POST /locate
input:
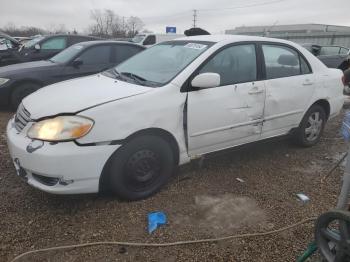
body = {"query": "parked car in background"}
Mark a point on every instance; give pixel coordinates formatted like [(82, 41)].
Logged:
[(125, 130), (23, 39), (331, 56), (152, 39), (8, 49), (45, 47), (86, 58)]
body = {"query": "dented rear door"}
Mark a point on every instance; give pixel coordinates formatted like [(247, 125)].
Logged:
[(290, 85)]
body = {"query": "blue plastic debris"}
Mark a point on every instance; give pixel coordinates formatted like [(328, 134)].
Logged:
[(345, 129), (155, 219)]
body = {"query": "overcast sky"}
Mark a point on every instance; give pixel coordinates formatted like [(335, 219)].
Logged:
[(214, 16)]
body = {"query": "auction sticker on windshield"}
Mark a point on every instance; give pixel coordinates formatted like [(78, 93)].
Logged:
[(196, 46)]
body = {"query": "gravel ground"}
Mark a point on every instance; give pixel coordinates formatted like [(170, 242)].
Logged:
[(200, 203)]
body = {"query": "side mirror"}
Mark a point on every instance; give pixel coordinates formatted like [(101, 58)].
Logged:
[(37, 47), (206, 80), (77, 62)]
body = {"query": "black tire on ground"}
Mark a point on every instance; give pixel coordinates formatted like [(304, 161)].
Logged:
[(311, 127), (140, 168), (332, 235), (20, 92)]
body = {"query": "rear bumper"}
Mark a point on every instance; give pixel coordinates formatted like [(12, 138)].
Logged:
[(76, 169), (336, 105)]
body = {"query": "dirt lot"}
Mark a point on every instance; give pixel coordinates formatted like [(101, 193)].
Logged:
[(200, 203)]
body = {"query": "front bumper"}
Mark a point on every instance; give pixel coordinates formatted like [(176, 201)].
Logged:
[(5, 92), (77, 169)]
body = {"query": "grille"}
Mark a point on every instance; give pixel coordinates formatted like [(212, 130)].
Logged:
[(22, 118), (48, 181)]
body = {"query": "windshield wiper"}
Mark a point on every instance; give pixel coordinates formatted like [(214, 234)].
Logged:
[(116, 74), (140, 80)]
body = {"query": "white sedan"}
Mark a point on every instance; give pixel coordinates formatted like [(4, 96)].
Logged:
[(126, 129)]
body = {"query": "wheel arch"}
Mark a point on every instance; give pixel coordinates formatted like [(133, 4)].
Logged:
[(166, 135), (21, 82), (325, 105)]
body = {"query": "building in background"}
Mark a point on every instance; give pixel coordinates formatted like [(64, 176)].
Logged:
[(300, 33)]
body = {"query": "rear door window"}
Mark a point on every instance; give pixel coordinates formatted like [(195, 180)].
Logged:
[(96, 55), (123, 52), (305, 68), (281, 61), (56, 43), (77, 39)]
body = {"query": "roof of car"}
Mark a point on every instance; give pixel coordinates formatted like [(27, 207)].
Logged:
[(72, 35), (230, 38), (99, 42)]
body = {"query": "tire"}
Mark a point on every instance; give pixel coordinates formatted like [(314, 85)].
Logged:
[(327, 236), (311, 127), (20, 92), (140, 168)]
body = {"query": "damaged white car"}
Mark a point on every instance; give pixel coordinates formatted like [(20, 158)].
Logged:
[(125, 130)]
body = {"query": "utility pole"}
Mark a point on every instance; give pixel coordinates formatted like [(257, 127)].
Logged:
[(194, 18)]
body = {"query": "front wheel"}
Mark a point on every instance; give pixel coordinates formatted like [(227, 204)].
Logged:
[(140, 168), (311, 127)]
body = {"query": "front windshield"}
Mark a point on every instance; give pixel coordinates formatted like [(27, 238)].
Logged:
[(138, 38), (67, 54), (32, 42), (159, 64)]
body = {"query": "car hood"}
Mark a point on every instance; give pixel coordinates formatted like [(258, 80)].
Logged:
[(25, 67), (76, 95)]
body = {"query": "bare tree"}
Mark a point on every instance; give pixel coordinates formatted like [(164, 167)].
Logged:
[(108, 24), (56, 29), (135, 24), (105, 22), (98, 27), (12, 30)]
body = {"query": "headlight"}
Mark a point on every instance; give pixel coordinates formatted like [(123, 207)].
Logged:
[(61, 128), (3, 81)]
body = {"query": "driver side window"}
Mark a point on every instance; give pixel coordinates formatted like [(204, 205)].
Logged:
[(235, 64), (57, 43)]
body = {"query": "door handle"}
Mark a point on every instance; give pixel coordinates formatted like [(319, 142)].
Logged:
[(256, 91), (307, 82)]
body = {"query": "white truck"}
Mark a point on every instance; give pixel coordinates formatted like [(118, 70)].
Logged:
[(152, 39)]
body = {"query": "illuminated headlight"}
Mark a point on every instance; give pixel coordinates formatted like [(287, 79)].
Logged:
[(61, 128), (3, 81)]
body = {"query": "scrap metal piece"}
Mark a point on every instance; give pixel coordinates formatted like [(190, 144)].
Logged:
[(303, 198)]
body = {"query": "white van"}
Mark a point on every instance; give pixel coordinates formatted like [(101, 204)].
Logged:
[(126, 129), (152, 39)]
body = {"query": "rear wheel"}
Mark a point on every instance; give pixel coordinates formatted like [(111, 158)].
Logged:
[(20, 92), (311, 127), (140, 168)]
